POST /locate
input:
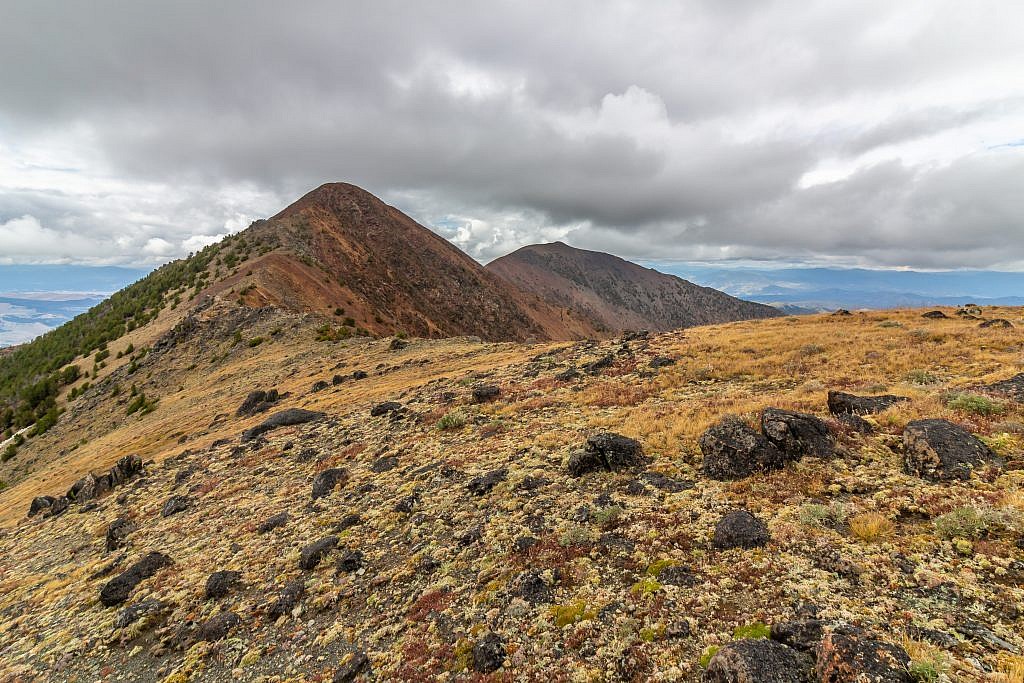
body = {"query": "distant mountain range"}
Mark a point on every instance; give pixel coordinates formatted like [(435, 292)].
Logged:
[(818, 289), (614, 294)]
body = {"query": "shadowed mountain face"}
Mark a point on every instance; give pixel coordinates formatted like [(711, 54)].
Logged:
[(615, 294), (341, 248)]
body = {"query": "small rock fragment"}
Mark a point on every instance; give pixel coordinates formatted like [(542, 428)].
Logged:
[(313, 553), (488, 654), (328, 480), (219, 584), (740, 529)]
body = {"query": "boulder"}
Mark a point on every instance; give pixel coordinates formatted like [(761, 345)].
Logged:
[(797, 434), (59, 506), (938, 450), (841, 312), (840, 403), (287, 599), (608, 451), (219, 584), (740, 529), (273, 522), (488, 654), (353, 666), (174, 505), (532, 588), (755, 661), (483, 484), (397, 344), (849, 654), (351, 561), (568, 374), (84, 489), (40, 503), (935, 315), (117, 590), (485, 393), (732, 450), (117, 532), (1011, 388), (125, 468), (313, 553), (801, 634), (284, 418), (328, 480), (218, 627), (129, 615), (257, 402), (997, 323), (385, 408)]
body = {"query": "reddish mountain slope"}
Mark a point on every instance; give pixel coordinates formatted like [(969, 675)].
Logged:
[(615, 294), (341, 248)]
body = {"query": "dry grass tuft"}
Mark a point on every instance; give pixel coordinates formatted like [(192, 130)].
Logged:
[(872, 527)]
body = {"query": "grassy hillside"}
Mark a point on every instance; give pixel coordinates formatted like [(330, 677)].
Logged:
[(468, 524)]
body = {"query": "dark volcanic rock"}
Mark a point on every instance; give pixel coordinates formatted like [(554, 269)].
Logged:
[(124, 469), (803, 634), (273, 522), (117, 532), (59, 506), (478, 486), (665, 483), (174, 505), (397, 344), (319, 385), (284, 418), (384, 464), (608, 451), (849, 654), (287, 599), (352, 667), (219, 584), (939, 450), (328, 480), (856, 423), (732, 450), (997, 323), (129, 615), (531, 587), (568, 374), (600, 364), (488, 654), (485, 392), (662, 362), (351, 561), (385, 408), (84, 489), (117, 590), (755, 661), (313, 553), (257, 402), (1012, 388), (797, 434), (40, 503), (218, 627), (935, 315), (840, 403), (676, 575), (740, 529)]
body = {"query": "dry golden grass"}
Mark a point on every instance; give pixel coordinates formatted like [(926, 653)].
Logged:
[(1011, 668), (872, 527)]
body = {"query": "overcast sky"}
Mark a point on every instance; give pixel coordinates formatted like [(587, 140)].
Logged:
[(854, 133)]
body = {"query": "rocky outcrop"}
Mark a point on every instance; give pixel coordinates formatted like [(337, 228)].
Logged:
[(732, 450), (840, 403), (117, 590), (850, 654), (797, 434), (284, 418), (755, 661), (606, 451), (938, 450)]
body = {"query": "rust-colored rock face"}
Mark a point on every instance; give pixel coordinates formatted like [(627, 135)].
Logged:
[(617, 295)]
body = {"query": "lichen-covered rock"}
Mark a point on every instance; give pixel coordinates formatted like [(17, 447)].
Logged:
[(313, 553), (174, 505), (284, 418), (849, 654), (840, 402), (485, 393), (40, 503), (488, 654), (84, 489), (129, 615), (117, 590), (117, 532), (801, 634), (755, 661), (287, 599), (797, 434), (483, 484), (218, 627), (352, 667), (273, 522), (608, 451), (740, 529), (732, 450), (530, 586), (938, 450), (385, 408), (326, 481), (219, 584)]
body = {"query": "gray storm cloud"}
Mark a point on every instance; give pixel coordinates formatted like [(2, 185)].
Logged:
[(874, 133)]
